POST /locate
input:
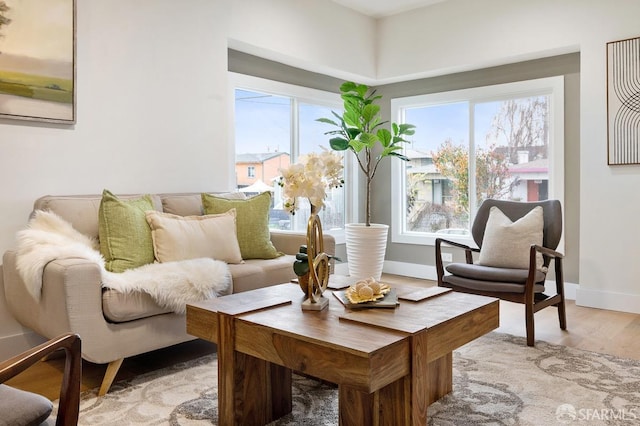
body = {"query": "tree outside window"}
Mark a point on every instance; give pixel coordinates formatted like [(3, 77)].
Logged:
[(471, 149)]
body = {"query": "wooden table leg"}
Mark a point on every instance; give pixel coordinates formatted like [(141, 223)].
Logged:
[(251, 391), (356, 408), (440, 377), (226, 371), (419, 383)]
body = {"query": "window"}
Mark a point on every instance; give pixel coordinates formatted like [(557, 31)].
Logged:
[(503, 141), (275, 123)]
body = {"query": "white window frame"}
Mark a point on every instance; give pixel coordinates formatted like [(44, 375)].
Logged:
[(552, 86), (298, 94)]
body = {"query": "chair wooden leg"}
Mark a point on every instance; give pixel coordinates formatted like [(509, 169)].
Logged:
[(562, 313), (109, 376), (530, 327), (562, 316)]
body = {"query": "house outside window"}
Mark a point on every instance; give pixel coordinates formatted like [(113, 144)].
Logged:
[(251, 172), (503, 141), (275, 123)]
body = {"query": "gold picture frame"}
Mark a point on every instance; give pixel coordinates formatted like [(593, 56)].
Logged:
[(623, 101), (38, 60)]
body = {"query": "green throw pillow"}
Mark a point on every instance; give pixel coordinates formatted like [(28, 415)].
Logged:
[(252, 223), (125, 236)]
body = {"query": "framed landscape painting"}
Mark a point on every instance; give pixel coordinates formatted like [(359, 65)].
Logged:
[(37, 60)]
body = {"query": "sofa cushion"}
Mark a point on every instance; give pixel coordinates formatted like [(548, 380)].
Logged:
[(258, 273), (252, 219), (123, 307), (252, 274), (190, 237), (506, 244), (21, 408), (81, 211), (125, 236), (190, 204)]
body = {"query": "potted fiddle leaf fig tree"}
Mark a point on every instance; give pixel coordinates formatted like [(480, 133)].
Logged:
[(361, 130)]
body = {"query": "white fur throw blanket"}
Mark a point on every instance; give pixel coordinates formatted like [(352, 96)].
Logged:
[(172, 284)]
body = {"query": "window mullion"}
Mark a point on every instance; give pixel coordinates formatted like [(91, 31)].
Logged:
[(473, 201), (295, 130)]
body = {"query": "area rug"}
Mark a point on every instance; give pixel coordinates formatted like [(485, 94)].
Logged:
[(498, 380)]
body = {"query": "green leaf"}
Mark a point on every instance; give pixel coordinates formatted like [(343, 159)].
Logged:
[(384, 136), (339, 144), (353, 132), (352, 118), (338, 116), (406, 128), (368, 139), (362, 89), (327, 121), (400, 156), (356, 145), (348, 86), (394, 127), (369, 112)]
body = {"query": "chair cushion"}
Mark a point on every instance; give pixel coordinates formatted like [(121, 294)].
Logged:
[(20, 408), (488, 273), (492, 286), (190, 237), (506, 244), (125, 236), (252, 219)]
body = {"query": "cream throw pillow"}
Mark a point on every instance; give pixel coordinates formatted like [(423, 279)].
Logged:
[(191, 237), (506, 244)]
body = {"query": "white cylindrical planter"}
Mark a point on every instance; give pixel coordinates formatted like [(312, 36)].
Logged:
[(366, 247)]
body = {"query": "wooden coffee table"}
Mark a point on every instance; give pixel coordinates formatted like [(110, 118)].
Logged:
[(389, 364)]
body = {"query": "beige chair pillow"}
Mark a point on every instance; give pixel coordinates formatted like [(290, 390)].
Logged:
[(506, 244), (191, 237)]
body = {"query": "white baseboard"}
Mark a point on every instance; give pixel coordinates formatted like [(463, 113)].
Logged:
[(608, 300), (18, 343)]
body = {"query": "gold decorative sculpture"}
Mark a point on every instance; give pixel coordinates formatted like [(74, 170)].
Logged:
[(318, 265)]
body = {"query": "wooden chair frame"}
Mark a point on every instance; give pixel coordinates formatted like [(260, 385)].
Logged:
[(533, 301), (69, 405)]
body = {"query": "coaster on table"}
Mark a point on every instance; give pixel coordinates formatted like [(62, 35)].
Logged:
[(339, 282), (419, 294)]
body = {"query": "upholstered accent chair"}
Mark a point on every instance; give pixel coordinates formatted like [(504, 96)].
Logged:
[(18, 407), (495, 273)]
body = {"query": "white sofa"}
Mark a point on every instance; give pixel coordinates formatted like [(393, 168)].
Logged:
[(114, 326)]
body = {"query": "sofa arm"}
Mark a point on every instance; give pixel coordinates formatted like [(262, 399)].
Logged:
[(70, 301), (289, 242)]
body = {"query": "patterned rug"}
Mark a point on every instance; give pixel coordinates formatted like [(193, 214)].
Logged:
[(498, 380)]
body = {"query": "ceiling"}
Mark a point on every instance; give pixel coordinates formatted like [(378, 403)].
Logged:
[(380, 8)]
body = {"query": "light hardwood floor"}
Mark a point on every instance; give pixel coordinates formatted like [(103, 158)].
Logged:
[(597, 330)]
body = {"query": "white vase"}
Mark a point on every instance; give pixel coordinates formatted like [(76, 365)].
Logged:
[(366, 247)]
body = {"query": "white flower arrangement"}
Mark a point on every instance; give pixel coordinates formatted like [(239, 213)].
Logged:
[(311, 177)]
